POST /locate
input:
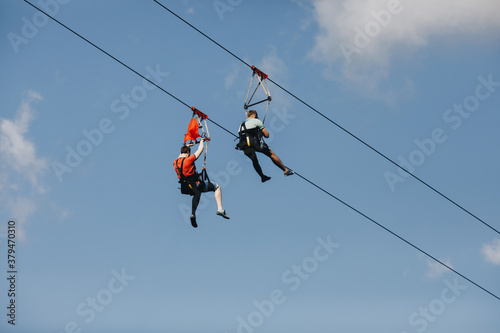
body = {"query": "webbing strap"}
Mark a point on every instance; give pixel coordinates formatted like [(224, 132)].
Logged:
[(268, 93), (248, 93), (179, 170), (204, 175), (249, 132), (206, 136), (183, 177), (262, 83), (190, 182)]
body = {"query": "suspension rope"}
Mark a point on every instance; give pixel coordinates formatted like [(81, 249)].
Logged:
[(338, 125), (299, 175)]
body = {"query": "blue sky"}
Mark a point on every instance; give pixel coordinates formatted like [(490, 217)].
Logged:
[(104, 242)]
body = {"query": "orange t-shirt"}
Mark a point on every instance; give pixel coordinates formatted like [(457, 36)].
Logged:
[(188, 169)]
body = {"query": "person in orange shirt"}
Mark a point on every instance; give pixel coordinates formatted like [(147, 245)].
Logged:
[(192, 184)]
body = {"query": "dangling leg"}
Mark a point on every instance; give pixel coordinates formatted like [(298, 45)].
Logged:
[(194, 205), (276, 160), (218, 200), (250, 152)]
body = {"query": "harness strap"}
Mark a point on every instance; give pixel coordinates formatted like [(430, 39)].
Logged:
[(204, 175), (254, 132), (187, 179), (244, 132), (205, 134), (179, 170), (261, 76)]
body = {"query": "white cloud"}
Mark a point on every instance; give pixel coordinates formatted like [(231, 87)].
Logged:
[(411, 23), (491, 252), (16, 151), (274, 66), (436, 270), (304, 5), (20, 168), (365, 36), (21, 208), (231, 75)]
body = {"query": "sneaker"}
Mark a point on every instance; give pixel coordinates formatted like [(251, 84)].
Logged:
[(265, 179), (289, 172), (193, 221), (223, 214)]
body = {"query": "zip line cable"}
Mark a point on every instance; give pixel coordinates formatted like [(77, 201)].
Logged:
[(122, 63), (396, 235), (336, 124), (299, 175)]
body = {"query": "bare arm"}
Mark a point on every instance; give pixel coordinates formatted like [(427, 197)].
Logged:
[(265, 132), (200, 149)]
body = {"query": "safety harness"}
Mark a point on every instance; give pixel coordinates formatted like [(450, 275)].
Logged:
[(249, 137), (190, 183)]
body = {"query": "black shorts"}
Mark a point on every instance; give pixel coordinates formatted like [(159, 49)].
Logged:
[(262, 148), (207, 186), (202, 186)]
